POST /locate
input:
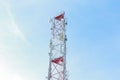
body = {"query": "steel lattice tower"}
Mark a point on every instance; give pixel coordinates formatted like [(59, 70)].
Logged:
[(57, 62)]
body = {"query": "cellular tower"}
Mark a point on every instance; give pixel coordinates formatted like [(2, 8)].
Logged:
[(57, 55)]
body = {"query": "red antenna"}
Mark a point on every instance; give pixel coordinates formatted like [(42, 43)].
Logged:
[(59, 17)]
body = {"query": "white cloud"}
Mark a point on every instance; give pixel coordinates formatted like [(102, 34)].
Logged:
[(9, 30), (12, 25), (6, 73)]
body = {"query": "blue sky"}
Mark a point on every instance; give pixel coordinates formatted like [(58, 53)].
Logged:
[(93, 31)]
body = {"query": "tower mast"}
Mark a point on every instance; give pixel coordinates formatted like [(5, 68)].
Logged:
[(57, 55)]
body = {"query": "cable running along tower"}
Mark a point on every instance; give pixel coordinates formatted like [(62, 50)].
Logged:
[(57, 55)]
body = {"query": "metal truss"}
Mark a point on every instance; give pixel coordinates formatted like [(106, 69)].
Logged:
[(57, 60)]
